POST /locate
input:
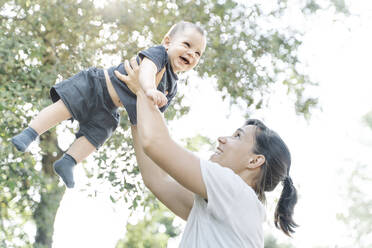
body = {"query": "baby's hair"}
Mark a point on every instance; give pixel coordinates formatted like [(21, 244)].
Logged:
[(181, 26)]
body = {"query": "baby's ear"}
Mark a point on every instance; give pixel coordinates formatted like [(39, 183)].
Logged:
[(166, 41)]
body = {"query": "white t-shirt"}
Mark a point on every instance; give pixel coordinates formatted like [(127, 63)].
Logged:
[(232, 217)]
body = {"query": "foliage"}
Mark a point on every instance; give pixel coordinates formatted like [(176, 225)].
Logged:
[(153, 230), (358, 217), (197, 142), (368, 119), (271, 242)]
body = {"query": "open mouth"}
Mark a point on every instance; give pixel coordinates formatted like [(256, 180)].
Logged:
[(218, 151), (185, 60)]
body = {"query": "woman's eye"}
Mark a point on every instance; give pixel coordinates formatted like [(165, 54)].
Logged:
[(187, 44), (197, 53)]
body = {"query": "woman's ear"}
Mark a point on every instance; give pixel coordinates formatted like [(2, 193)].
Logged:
[(256, 161)]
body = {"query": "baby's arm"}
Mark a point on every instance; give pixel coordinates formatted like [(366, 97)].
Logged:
[(147, 75)]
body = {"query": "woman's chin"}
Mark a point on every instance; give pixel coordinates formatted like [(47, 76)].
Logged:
[(214, 158)]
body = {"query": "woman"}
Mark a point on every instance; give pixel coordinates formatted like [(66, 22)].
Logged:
[(221, 199)]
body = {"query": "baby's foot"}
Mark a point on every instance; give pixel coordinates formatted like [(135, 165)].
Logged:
[(24, 139), (64, 167)]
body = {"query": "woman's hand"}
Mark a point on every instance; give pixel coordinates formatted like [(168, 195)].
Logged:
[(131, 79)]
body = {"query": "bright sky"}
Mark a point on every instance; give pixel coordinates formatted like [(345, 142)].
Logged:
[(338, 56)]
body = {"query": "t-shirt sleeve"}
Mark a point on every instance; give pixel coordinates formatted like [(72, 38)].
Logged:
[(156, 54), (225, 189)]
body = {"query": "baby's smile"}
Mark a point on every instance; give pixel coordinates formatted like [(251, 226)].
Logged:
[(186, 61)]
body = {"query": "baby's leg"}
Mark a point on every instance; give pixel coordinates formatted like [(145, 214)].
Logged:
[(46, 119), (78, 151), (50, 116)]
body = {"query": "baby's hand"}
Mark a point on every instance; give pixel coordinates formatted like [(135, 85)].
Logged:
[(157, 96)]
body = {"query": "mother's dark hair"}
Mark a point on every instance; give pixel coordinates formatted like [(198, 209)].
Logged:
[(275, 169)]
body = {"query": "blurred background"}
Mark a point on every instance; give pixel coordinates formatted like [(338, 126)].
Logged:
[(302, 66)]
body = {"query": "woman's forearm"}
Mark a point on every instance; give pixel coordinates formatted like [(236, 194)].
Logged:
[(151, 125), (179, 163), (178, 199), (151, 173)]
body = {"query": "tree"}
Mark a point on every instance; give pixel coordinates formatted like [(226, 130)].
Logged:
[(41, 41), (44, 41)]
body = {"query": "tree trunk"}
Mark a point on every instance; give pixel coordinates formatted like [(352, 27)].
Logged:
[(50, 195)]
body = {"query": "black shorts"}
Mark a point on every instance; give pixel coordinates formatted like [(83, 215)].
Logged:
[(87, 98)]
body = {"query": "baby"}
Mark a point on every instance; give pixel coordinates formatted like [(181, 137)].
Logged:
[(93, 96)]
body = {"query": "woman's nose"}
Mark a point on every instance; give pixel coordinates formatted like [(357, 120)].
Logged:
[(222, 140)]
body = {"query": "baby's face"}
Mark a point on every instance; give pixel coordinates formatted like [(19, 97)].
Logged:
[(185, 49)]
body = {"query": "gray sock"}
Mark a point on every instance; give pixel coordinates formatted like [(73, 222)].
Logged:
[(24, 139), (64, 167)]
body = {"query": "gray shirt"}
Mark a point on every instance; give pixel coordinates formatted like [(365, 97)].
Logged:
[(232, 216), (167, 85)]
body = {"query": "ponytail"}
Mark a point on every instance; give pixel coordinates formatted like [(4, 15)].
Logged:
[(285, 207), (274, 170)]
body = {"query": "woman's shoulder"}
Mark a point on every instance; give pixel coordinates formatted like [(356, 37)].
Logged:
[(225, 173), (229, 176), (224, 179), (231, 189)]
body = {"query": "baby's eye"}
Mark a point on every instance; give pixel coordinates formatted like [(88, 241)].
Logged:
[(187, 44), (197, 53), (237, 135)]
